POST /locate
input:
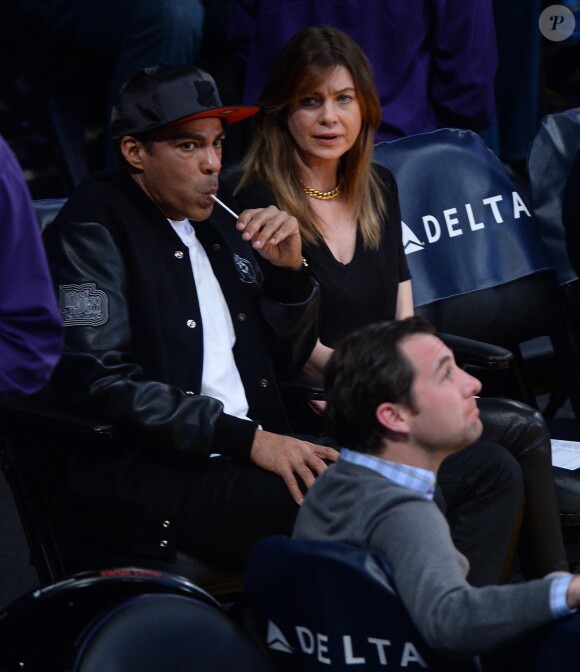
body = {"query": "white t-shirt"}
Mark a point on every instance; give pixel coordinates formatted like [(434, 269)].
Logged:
[(220, 378)]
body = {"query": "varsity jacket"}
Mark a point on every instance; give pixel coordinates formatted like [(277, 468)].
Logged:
[(134, 352)]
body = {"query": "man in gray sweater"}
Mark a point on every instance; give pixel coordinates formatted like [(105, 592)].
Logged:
[(400, 405)]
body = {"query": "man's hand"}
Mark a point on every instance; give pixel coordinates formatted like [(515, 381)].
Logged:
[(274, 234), (573, 594), (290, 457)]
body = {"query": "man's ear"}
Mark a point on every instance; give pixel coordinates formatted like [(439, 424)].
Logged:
[(393, 417), (132, 151)]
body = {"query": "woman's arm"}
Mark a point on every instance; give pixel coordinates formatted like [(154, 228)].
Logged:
[(314, 367), (404, 300)]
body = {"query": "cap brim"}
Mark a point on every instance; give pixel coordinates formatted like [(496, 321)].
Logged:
[(230, 115)]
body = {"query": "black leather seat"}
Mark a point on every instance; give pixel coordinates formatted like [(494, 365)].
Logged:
[(127, 619), (156, 633)]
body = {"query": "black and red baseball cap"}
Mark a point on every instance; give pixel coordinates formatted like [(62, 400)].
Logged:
[(164, 95)]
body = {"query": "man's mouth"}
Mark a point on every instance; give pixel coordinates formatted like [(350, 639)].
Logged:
[(209, 192), (474, 411)]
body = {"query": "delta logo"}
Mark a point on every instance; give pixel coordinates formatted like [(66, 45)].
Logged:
[(345, 649), (469, 218)]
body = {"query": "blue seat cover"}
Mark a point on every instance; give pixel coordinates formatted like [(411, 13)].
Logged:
[(460, 211)]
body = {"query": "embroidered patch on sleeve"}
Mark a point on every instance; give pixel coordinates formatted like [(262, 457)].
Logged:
[(246, 271), (83, 305)]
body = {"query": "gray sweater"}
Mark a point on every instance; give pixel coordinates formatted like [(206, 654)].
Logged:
[(355, 505)]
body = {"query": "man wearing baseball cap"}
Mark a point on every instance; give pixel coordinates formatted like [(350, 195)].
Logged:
[(179, 318)]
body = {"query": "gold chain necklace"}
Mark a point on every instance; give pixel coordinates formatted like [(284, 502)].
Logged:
[(322, 195)]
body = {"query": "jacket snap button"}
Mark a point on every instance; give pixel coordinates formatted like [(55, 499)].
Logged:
[(191, 324), (163, 543), (216, 247), (242, 317), (178, 254), (264, 382)]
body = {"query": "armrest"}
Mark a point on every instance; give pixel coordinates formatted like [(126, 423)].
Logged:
[(477, 353), (45, 409), (466, 351), (301, 389)]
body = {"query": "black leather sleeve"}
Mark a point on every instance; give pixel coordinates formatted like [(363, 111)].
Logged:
[(98, 375), (293, 326)]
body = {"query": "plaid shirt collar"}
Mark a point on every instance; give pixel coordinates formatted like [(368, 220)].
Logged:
[(419, 480)]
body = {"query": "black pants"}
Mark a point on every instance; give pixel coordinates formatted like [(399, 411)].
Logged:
[(553, 648), (500, 501), (229, 506), (483, 500), (522, 430)]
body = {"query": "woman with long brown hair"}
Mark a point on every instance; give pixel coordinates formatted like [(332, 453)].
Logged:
[(311, 154)]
